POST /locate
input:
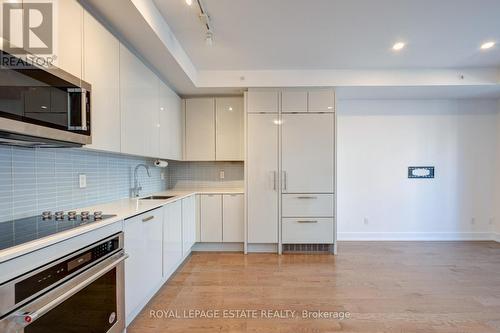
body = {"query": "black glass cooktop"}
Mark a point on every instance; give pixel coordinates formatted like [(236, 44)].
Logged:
[(24, 230)]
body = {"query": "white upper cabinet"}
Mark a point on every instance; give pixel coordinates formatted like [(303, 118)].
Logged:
[(170, 123), (307, 153), (263, 101), (70, 36), (229, 129), (321, 100), (200, 129), (139, 103), (102, 70), (294, 100)]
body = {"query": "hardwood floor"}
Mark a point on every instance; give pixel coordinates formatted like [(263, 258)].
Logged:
[(424, 287)]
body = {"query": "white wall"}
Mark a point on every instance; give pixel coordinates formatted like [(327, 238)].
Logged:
[(379, 139), (497, 197)]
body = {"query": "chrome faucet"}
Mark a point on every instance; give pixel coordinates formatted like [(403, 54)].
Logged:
[(137, 187)]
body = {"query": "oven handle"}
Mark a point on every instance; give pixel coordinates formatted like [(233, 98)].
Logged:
[(25, 319)]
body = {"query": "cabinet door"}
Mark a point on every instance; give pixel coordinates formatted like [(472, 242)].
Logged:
[(170, 123), (263, 101), (229, 129), (262, 178), (321, 100), (188, 224), (101, 70), (308, 153), (211, 218), (294, 100), (172, 237), (143, 269), (200, 129), (70, 36), (232, 218), (139, 106)]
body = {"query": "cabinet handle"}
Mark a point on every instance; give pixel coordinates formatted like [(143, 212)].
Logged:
[(285, 181), (307, 197), (274, 181), (307, 221), (146, 219)]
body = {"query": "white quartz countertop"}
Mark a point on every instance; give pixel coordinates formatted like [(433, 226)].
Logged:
[(123, 209)]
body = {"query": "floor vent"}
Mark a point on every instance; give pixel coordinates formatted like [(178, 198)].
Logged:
[(307, 248)]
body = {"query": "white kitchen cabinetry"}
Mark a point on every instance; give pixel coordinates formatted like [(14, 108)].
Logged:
[(172, 237), (308, 153), (69, 50), (139, 103), (263, 101), (303, 205), (143, 268), (262, 178), (321, 100), (294, 100), (233, 218), (101, 70), (200, 129), (211, 218), (229, 129), (188, 224), (170, 109), (311, 230)]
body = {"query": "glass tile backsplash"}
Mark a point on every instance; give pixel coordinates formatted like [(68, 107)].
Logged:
[(34, 180)]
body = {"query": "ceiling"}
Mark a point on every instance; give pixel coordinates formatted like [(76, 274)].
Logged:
[(337, 34)]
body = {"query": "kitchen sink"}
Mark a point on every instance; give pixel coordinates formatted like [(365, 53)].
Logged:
[(158, 197)]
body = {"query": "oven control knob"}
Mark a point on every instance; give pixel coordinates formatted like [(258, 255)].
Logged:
[(97, 215), (47, 214), (71, 215), (85, 215)]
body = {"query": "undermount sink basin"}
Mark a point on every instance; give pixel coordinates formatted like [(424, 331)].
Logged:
[(157, 197)]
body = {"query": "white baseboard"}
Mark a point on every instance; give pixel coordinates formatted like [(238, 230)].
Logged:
[(416, 236), (496, 237), (217, 247)]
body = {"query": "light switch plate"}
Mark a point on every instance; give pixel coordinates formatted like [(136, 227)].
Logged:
[(83, 180), (221, 174)]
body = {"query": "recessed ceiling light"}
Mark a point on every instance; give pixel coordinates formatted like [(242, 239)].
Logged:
[(398, 46), (189, 2), (487, 45)]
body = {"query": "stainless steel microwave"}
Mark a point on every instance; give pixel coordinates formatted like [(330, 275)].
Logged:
[(42, 106)]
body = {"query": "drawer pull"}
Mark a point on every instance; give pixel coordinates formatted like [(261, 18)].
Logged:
[(146, 219), (307, 197), (308, 221)]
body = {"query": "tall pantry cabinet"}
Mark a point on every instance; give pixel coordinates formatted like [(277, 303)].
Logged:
[(290, 168)]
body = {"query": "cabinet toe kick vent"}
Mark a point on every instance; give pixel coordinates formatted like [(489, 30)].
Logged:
[(307, 248)]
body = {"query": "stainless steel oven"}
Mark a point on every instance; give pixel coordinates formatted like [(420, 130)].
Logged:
[(42, 106), (81, 292)]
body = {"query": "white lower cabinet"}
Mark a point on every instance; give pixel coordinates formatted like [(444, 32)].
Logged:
[(312, 230), (222, 218), (233, 218), (211, 218), (143, 269), (172, 237), (188, 224)]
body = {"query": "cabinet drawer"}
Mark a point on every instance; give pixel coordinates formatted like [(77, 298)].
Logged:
[(307, 230), (303, 205)]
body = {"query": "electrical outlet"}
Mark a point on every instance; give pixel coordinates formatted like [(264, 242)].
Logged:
[(83, 180), (221, 174), (162, 176), (365, 220), (491, 221), (473, 220)]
